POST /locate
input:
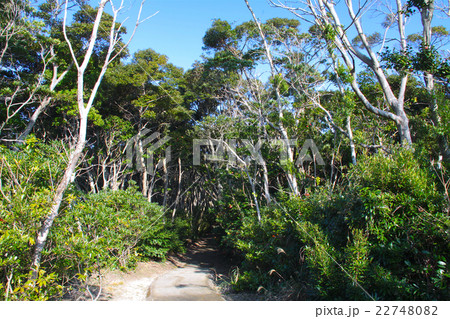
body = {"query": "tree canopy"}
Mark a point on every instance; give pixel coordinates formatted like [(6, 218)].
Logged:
[(315, 152)]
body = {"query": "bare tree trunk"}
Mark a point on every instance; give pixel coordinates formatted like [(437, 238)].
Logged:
[(83, 110), (263, 162), (325, 16), (57, 198), (427, 13), (143, 167), (91, 182), (166, 181), (250, 179), (266, 183), (255, 198), (404, 130), (116, 172), (350, 137), (292, 179), (46, 101), (41, 108), (177, 198), (150, 189), (105, 174)]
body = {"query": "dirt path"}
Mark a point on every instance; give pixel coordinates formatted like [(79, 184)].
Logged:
[(197, 275), (132, 286), (191, 276), (190, 283)]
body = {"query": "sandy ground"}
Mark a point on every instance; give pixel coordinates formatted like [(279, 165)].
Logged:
[(134, 285), (189, 283), (201, 273)]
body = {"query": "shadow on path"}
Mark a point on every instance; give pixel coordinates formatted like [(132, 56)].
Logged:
[(200, 272), (195, 278)]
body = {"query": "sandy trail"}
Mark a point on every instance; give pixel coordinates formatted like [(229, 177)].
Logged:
[(190, 283), (133, 286), (188, 277)]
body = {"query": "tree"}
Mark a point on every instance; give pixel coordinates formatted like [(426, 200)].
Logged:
[(148, 93), (84, 106), (430, 63), (237, 52), (59, 70), (25, 56), (345, 54)]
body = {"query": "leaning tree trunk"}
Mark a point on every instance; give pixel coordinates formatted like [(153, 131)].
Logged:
[(58, 197), (41, 108), (83, 110), (292, 179), (46, 101)]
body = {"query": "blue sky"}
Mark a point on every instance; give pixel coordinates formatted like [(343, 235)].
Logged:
[(177, 30), (178, 26)]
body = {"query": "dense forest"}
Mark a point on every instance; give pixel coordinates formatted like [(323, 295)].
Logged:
[(315, 151)]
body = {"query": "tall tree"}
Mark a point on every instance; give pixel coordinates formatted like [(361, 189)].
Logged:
[(148, 93), (25, 56), (347, 56), (84, 104), (429, 63)]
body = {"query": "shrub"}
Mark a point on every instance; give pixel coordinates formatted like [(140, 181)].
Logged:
[(93, 231), (27, 176), (111, 229), (383, 237), (404, 215)]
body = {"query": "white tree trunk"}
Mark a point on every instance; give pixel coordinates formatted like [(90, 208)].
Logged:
[(350, 137), (83, 110), (177, 198), (292, 179), (58, 197), (427, 13), (41, 108)]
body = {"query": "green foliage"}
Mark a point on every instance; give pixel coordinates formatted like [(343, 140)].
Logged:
[(110, 229), (27, 177), (426, 59), (384, 237), (96, 231), (403, 213), (344, 74), (268, 250), (378, 229), (399, 61), (219, 35), (228, 62), (166, 237), (328, 32)]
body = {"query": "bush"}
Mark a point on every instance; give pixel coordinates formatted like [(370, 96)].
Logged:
[(26, 178), (268, 250), (383, 237), (403, 213), (111, 229)]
